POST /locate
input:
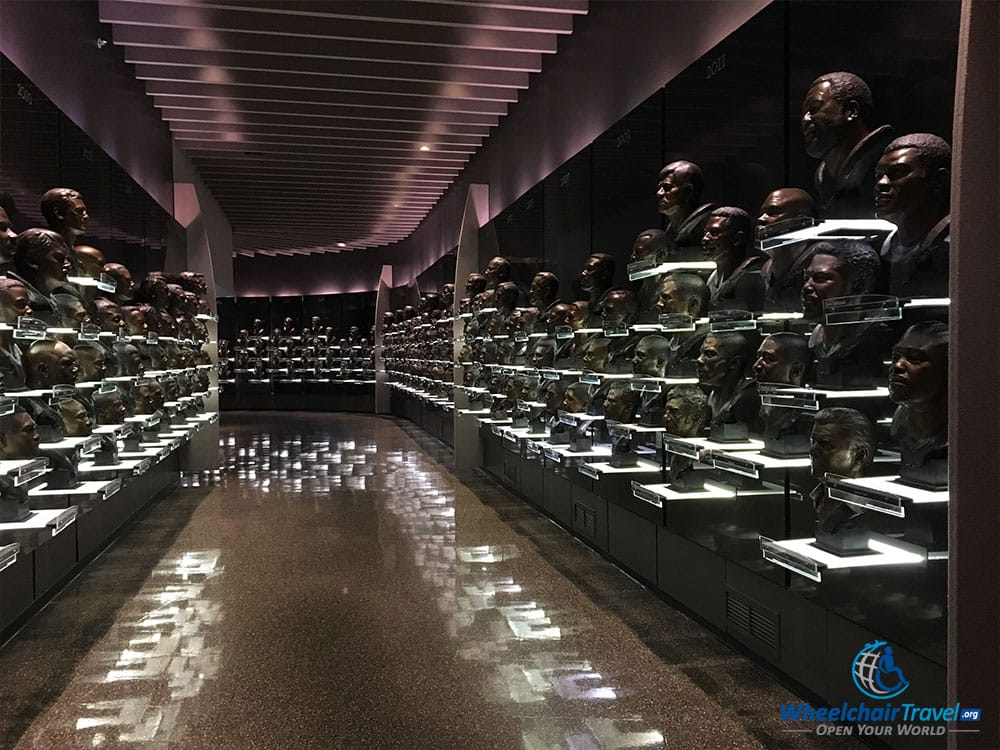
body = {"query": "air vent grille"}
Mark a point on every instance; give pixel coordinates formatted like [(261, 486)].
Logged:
[(751, 618)]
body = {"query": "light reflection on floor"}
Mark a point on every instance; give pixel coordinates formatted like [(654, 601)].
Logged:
[(567, 674)]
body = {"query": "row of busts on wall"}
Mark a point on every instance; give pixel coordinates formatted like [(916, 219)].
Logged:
[(290, 352), (417, 344), (77, 336)]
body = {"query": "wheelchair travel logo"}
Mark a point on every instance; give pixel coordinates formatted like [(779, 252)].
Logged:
[(875, 672)]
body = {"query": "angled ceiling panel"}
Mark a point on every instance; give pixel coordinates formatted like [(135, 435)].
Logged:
[(346, 119)]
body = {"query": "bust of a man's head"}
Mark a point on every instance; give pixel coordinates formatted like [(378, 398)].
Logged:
[(836, 112), (598, 272), (683, 293), (19, 437), (91, 358), (72, 313), (65, 212), (192, 282), (125, 286), (651, 356), (727, 236), (555, 391), (725, 357), (153, 290), (918, 374), (497, 270), (129, 359), (135, 320), (838, 269), (686, 412), (782, 358), (48, 362), (576, 399), (563, 314), (842, 442), (506, 295), (447, 297), (784, 204), (90, 261), (679, 190), (544, 289), (109, 315), (913, 182), (7, 236), (13, 301), (149, 397), (619, 308), (110, 408), (544, 353), (474, 284), (76, 420), (594, 354), (650, 244), (620, 403), (41, 257)]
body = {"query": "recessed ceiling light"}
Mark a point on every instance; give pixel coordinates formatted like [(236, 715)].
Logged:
[(425, 148), (341, 244)]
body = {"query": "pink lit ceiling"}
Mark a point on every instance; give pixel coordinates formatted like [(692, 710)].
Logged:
[(333, 125)]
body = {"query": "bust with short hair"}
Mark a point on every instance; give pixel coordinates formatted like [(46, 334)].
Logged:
[(843, 444), (7, 237), (544, 290), (66, 214), (913, 191), (595, 279), (19, 437), (684, 294), (651, 245), (651, 356), (40, 264), (76, 420), (918, 384), (847, 356), (723, 363), (110, 408), (782, 271), (837, 128), (736, 283), (679, 199), (784, 359)]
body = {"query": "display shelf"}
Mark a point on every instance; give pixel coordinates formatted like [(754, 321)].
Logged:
[(814, 399), (55, 519), (697, 447), (803, 557), (658, 494), (22, 471), (85, 489), (884, 494), (598, 469), (8, 554), (645, 269), (82, 445)]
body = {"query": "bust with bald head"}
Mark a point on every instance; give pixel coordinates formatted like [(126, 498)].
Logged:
[(125, 285), (49, 362)]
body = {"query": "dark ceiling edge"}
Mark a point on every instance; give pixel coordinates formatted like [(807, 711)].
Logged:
[(92, 86), (551, 122)]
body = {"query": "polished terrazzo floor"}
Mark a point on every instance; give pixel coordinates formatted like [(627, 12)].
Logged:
[(335, 587)]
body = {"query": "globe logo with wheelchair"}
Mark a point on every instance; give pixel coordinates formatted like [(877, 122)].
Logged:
[(875, 672)]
